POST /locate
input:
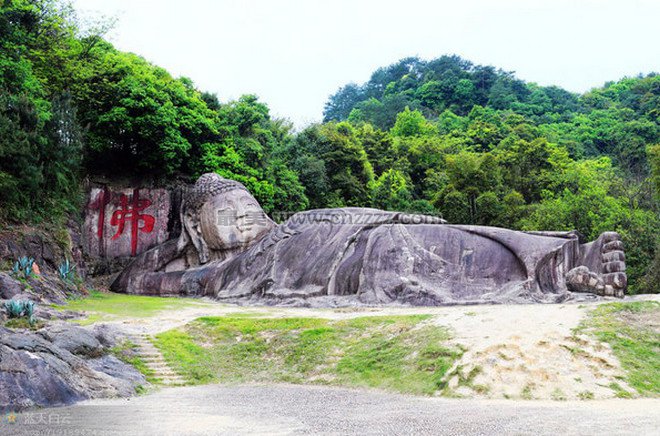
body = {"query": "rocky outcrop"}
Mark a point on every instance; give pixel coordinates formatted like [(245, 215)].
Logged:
[(59, 365), (49, 250), (47, 288), (73, 339)]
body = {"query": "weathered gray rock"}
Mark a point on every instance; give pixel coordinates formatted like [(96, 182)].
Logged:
[(45, 312), (74, 339), (108, 335), (126, 377), (108, 220), (9, 287), (231, 250), (35, 372), (45, 288)]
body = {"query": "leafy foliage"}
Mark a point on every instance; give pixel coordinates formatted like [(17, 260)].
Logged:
[(71, 103), (483, 147)]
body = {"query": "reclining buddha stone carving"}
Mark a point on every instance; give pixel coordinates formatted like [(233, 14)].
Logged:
[(231, 251)]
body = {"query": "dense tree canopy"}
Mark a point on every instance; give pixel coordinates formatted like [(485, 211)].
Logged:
[(444, 136)]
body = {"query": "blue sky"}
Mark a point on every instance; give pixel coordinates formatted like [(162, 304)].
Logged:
[(295, 53)]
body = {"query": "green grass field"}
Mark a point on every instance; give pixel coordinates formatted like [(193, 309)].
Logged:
[(399, 353), (105, 306), (631, 329)]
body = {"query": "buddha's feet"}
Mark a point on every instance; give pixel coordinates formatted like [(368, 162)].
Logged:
[(611, 281)]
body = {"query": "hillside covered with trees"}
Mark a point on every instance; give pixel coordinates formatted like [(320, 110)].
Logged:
[(445, 136)]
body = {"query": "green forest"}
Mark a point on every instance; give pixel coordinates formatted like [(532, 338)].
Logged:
[(472, 143)]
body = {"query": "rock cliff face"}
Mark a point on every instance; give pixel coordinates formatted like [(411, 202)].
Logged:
[(48, 247), (59, 365)]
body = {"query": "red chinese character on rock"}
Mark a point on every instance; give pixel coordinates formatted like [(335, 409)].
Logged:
[(129, 211)]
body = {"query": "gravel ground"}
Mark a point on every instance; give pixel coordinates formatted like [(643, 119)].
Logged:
[(288, 409)]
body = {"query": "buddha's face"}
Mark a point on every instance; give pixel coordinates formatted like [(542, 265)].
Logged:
[(231, 220)]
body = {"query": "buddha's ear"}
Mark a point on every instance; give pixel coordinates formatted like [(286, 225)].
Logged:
[(184, 237), (191, 233)]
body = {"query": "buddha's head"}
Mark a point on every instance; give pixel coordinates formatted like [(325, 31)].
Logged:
[(220, 215)]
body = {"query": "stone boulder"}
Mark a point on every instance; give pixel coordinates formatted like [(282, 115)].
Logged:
[(126, 378), (38, 372), (73, 339), (108, 335)]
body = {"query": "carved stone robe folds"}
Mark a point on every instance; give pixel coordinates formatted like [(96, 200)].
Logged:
[(352, 255)]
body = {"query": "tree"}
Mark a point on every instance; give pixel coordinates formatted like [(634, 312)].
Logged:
[(455, 207), (488, 209), (411, 123), (529, 165), (340, 105), (391, 192), (139, 117), (379, 147), (654, 159), (340, 155), (20, 174), (651, 280)]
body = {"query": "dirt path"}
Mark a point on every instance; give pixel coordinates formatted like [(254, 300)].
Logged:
[(512, 351), (545, 314), (286, 409), (531, 353)]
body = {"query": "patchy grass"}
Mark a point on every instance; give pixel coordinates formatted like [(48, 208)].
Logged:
[(620, 392), (631, 329), (23, 323), (586, 395), (465, 379), (105, 306), (526, 393), (399, 353), (558, 395)]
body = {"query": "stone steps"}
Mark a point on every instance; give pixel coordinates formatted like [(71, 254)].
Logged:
[(154, 360)]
